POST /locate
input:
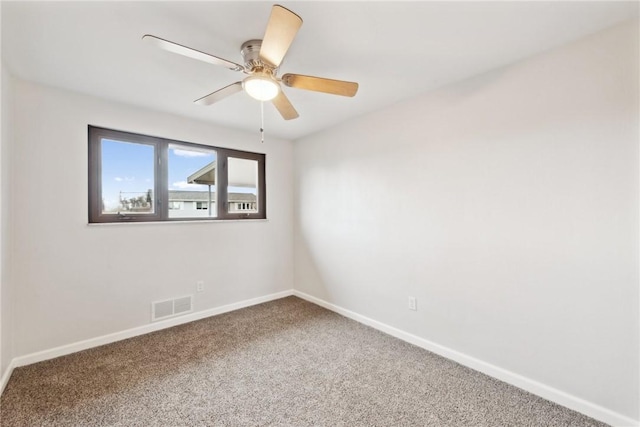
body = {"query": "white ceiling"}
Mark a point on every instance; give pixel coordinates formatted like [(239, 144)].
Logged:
[(395, 50)]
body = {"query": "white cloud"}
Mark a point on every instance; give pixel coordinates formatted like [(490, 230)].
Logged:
[(184, 185), (190, 153), (126, 178)]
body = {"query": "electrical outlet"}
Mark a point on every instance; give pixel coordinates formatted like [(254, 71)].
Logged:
[(413, 304), (200, 286)]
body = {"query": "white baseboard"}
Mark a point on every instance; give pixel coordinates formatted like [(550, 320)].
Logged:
[(565, 399), (4, 379), (133, 332)]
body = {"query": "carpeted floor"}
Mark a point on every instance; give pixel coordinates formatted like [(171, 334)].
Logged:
[(286, 362)]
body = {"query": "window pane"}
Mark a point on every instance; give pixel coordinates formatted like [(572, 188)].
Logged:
[(127, 177), (243, 186), (192, 182)]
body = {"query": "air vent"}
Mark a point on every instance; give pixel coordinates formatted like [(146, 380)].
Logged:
[(182, 305), (162, 309), (171, 307)]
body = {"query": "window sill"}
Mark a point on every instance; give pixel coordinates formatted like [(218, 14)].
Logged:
[(199, 221)]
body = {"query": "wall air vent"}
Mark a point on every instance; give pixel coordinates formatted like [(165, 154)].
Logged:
[(182, 305), (171, 307)]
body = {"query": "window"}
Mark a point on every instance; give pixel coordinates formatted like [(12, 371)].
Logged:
[(135, 178), (243, 174), (173, 205), (245, 206), (192, 179)]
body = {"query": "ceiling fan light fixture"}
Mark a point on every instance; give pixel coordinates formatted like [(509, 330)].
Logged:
[(261, 87)]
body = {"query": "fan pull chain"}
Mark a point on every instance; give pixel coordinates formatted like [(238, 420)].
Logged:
[(262, 122)]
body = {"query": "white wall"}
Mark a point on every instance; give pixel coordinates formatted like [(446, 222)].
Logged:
[(74, 281), (5, 297), (6, 302), (507, 204), (6, 332)]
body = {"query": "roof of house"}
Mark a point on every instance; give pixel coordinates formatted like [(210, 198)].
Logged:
[(206, 175), (198, 196)]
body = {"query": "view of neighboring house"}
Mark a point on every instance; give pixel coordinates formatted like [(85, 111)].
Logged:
[(189, 204)]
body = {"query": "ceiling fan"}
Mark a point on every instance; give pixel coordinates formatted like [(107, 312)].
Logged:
[(262, 58)]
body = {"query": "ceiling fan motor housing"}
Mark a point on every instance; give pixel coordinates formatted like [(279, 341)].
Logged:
[(250, 51)]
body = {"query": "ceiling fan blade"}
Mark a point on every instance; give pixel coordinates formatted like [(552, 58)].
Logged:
[(284, 107), (220, 94), (191, 53), (281, 30), (319, 84)]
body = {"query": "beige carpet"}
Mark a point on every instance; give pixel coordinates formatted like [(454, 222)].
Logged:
[(287, 362)]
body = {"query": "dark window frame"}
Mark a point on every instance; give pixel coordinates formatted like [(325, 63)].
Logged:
[(161, 185)]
